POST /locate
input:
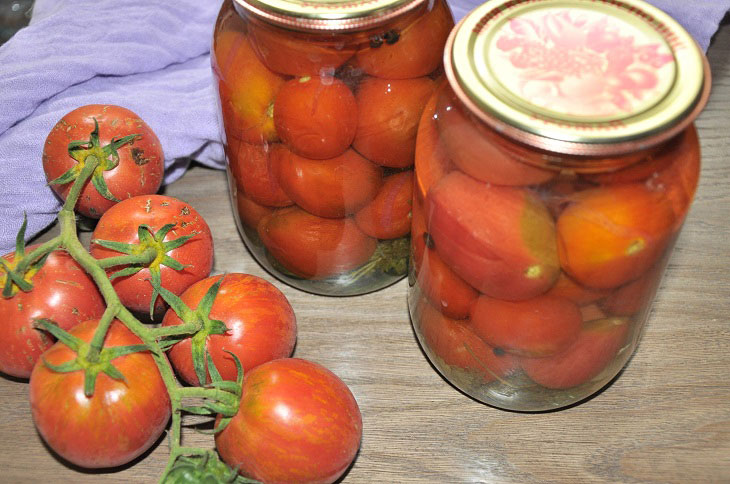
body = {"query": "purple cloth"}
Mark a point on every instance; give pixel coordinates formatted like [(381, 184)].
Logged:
[(150, 56)]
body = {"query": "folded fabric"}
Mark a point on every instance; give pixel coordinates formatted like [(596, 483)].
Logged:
[(150, 56)]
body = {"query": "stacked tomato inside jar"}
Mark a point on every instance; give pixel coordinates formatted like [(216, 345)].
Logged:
[(534, 265), (320, 130)]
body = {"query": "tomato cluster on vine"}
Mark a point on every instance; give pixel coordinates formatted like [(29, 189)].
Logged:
[(225, 340)]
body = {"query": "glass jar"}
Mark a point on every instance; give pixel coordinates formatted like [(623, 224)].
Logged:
[(320, 103), (553, 172)]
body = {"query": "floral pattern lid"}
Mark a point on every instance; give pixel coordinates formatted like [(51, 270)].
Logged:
[(591, 77), (340, 15)]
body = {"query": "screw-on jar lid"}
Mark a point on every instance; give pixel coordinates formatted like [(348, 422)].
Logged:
[(588, 77), (340, 15)]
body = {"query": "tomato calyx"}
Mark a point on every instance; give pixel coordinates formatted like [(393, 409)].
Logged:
[(150, 252), (87, 360), (17, 274), (198, 318), (107, 157), (205, 468)]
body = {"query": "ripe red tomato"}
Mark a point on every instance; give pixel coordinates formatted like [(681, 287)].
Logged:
[(141, 162), (62, 291), (247, 88), (508, 251), (456, 344), (613, 234), (315, 247), (388, 112), (297, 422), (417, 51), (121, 224), (316, 116), (388, 215), (297, 54), (249, 211), (261, 325), (482, 153), (118, 423), (431, 160), (541, 326), (596, 346), (252, 166), (334, 187)]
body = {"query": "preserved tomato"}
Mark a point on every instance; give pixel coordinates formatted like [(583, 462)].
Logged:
[(553, 171), (320, 103)]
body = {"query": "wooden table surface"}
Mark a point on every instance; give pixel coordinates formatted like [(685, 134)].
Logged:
[(665, 419)]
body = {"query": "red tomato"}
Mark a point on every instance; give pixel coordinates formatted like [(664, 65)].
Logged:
[(141, 162), (541, 326), (596, 346), (569, 289), (331, 188), (447, 291), (456, 344), (249, 211), (635, 295), (417, 51), (297, 54), (678, 182), (118, 423), (261, 325), (501, 240), (253, 169), (478, 151), (431, 161), (388, 113), (315, 247), (297, 422), (388, 215), (612, 234), (62, 291), (121, 224), (316, 116), (246, 87)]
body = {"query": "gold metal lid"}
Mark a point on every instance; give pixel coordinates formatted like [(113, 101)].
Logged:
[(340, 15), (587, 77)]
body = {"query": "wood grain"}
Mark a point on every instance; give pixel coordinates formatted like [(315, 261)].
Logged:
[(665, 419)]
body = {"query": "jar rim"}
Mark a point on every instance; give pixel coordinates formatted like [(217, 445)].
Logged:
[(328, 15), (483, 66)]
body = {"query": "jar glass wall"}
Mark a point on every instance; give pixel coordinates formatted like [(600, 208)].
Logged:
[(320, 130), (533, 269)]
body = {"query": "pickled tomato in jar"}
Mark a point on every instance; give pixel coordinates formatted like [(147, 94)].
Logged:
[(554, 166), (320, 104)]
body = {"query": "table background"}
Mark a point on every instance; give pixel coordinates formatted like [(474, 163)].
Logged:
[(665, 419)]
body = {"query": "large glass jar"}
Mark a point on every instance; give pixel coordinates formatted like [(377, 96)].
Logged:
[(553, 172), (320, 103)]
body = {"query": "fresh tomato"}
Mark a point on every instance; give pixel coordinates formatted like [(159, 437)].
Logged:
[(297, 422), (388, 215), (62, 291), (121, 224), (456, 344), (500, 240), (315, 247), (141, 162), (388, 112), (541, 326), (316, 116), (613, 234), (596, 346), (118, 423), (260, 321), (411, 50), (332, 188)]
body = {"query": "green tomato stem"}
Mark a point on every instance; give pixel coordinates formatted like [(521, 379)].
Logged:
[(37, 253), (90, 164), (143, 258)]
